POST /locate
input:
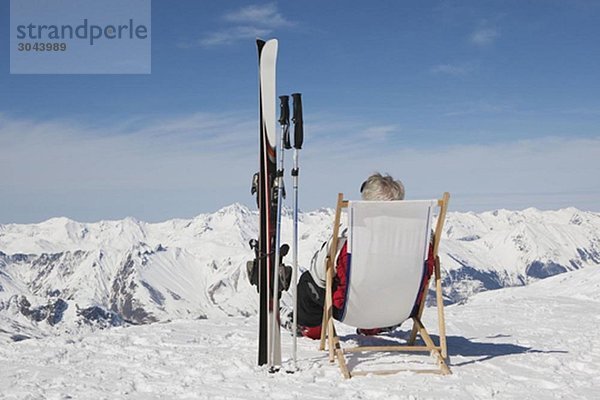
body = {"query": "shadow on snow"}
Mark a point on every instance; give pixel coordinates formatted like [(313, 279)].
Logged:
[(457, 346)]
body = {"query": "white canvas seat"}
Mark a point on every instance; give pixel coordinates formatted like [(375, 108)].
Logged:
[(387, 248), (388, 245)]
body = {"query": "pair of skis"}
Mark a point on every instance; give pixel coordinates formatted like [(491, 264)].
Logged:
[(269, 187)]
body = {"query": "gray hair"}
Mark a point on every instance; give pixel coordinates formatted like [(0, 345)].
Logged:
[(383, 188)]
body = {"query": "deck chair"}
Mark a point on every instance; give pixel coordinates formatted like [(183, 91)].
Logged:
[(388, 244)]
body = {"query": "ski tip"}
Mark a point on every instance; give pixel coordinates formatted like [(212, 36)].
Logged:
[(260, 44), (263, 41)]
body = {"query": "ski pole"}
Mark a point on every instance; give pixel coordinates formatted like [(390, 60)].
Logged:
[(284, 121), (298, 139)]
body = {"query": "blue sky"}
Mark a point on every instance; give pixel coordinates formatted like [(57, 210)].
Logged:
[(494, 101)]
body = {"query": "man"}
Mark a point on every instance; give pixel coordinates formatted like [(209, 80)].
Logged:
[(311, 286)]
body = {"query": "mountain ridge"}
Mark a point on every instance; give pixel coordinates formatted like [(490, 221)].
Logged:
[(61, 273)]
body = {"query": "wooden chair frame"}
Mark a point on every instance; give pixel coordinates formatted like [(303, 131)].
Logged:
[(328, 332)]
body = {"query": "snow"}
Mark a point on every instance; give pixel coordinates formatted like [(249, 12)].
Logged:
[(531, 342), (511, 334)]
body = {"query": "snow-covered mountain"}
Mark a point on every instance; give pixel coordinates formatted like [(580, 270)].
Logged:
[(504, 248), (62, 275)]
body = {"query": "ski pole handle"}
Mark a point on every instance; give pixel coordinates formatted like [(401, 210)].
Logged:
[(284, 110), (284, 120), (298, 122)]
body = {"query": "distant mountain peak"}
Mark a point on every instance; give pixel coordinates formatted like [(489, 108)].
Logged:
[(128, 270)]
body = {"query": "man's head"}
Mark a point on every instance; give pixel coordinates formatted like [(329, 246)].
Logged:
[(379, 187)]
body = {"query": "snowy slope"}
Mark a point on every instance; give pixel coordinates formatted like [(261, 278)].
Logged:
[(506, 248), (534, 342), (61, 275)]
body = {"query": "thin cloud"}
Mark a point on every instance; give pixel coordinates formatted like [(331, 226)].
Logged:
[(531, 168), (123, 149), (452, 69), (248, 22), (155, 169), (484, 36), (160, 168), (265, 15), (232, 35), (478, 108), (346, 131), (583, 111), (379, 133)]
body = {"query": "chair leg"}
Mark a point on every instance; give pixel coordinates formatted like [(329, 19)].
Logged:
[(336, 351), (440, 309), (431, 345), (327, 327), (331, 341), (443, 203), (324, 323), (329, 268), (342, 361)]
